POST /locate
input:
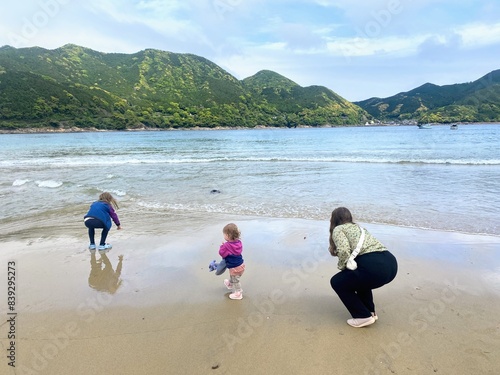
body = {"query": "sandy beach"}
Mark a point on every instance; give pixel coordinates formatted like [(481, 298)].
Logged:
[(150, 305)]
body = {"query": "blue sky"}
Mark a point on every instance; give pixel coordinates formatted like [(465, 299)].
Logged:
[(357, 48)]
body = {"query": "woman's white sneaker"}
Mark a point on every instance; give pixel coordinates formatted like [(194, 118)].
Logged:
[(361, 322)]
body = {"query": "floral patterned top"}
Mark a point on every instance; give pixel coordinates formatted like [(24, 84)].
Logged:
[(346, 238)]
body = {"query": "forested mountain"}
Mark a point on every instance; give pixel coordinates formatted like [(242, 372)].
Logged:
[(76, 86), (477, 101), (316, 103), (73, 86)]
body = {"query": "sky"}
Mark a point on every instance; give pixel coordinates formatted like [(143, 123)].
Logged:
[(357, 48)]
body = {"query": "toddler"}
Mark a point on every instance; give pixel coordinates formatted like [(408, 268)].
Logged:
[(230, 251)]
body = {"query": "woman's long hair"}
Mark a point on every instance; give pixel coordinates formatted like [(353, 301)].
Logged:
[(340, 215)]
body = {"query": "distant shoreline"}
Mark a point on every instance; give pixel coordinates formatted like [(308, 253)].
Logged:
[(145, 129), (49, 130)]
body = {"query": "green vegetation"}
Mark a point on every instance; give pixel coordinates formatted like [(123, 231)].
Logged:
[(477, 101), (77, 87)]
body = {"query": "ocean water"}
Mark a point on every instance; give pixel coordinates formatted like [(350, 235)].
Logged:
[(400, 175)]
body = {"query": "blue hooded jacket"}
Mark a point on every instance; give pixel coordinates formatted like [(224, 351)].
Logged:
[(104, 212)]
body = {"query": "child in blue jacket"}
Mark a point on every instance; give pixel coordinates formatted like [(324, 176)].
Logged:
[(99, 216)]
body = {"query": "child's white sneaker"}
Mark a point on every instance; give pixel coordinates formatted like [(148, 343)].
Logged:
[(236, 295), (228, 284)]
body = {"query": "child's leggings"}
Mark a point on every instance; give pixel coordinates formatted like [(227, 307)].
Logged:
[(234, 277), (93, 224)]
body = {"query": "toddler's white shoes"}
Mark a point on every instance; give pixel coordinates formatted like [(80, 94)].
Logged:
[(236, 295)]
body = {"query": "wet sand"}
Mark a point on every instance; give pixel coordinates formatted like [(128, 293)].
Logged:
[(159, 310)]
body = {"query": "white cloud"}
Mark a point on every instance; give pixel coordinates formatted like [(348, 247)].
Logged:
[(159, 16), (474, 35), (355, 47)]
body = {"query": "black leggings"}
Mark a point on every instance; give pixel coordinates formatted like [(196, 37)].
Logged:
[(94, 224), (355, 287)]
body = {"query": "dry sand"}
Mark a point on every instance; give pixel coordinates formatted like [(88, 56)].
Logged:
[(160, 311)]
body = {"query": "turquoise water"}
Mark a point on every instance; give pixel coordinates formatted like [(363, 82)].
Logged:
[(435, 178)]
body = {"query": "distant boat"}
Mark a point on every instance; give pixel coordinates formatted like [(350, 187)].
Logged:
[(424, 126), (454, 127)]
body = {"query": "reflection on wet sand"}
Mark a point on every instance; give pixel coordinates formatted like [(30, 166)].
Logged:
[(104, 279)]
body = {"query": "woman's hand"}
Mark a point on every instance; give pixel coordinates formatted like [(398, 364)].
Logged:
[(119, 227), (332, 251)]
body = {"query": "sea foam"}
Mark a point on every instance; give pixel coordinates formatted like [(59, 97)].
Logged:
[(20, 182), (49, 184)]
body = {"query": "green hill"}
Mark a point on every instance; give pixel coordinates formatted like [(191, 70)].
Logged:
[(302, 105), (477, 101), (77, 86)]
